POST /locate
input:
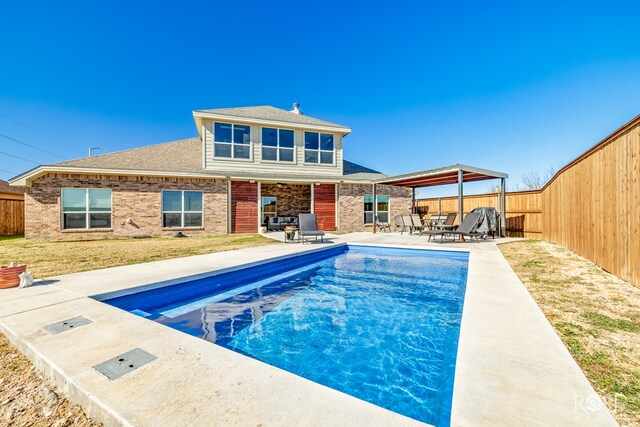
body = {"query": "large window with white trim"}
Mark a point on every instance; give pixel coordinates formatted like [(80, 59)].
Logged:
[(318, 148), (382, 208), (181, 209), (277, 145), (86, 208), (231, 141)]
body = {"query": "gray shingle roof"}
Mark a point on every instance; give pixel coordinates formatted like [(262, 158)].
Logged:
[(185, 155), (267, 112)]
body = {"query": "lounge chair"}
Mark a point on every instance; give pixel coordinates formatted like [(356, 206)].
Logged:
[(417, 223), (382, 225), (408, 223), (465, 229), (399, 223), (309, 227), (447, 224)]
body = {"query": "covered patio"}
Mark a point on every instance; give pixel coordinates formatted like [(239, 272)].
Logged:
[(455, 174)]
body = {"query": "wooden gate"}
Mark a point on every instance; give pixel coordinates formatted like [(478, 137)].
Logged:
[(324, 206), (244, 207)]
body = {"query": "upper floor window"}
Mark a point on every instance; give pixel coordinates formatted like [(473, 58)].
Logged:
[(231, 141), (181, 209), (318, 148), (86, 208), (277, 145)]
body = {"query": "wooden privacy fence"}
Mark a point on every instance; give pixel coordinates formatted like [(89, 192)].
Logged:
[(591, 206), (523, 214), (11, 217)]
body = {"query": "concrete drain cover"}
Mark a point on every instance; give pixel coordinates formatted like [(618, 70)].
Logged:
[(65, 325), (124, 363)]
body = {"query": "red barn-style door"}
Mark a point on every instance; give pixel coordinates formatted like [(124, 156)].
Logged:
[(244, 207), (324, 206)]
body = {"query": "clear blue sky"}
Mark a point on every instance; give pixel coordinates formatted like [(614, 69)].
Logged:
[(500, 85)]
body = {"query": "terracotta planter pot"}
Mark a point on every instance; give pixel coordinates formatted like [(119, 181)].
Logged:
[(9, 276)]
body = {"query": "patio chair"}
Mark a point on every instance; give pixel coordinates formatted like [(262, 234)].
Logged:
[(417, 222), (382, 225), (447, 224), (465, 229), (309, 227), (406, 219), (399, 223)]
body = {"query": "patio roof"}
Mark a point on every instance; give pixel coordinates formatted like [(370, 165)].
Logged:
[(441, 176)]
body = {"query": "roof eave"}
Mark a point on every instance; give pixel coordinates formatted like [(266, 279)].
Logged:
[(199, 115), (25, 179)]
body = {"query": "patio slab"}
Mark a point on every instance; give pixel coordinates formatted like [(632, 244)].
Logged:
[(512, 368)]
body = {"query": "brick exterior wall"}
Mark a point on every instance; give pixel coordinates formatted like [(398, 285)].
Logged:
[(351, 204), (139, 200), (136, 198), (291, 199)]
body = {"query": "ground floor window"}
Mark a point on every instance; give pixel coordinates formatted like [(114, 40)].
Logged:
[(85, 208), (382, 208), (181, 209), (268, 209)]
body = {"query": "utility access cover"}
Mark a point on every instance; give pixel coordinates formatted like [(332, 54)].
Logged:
[(124, 363), (66, 325)]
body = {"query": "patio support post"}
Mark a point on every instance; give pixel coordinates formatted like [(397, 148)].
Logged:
[(313, 196), (375, 209), (460, 196), (413, 200), (259, 206), (503, 210)]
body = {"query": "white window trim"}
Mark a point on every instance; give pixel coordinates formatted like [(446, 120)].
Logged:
[(232, 143), (375, 202), (277, 147), (182, 211), (333, 163), (87, 211)]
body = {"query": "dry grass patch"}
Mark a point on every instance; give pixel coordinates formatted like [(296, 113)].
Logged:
[(27, 399), (54, 258), (596, 314)]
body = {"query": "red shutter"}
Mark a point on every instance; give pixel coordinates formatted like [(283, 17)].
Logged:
[(244, 207), (324, 206)]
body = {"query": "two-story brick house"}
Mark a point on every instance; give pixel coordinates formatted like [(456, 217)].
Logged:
[(245, 165)]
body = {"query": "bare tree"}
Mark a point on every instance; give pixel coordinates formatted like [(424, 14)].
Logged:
[(535, 181)]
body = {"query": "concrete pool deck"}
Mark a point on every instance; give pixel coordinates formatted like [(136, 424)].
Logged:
[(512, 368)]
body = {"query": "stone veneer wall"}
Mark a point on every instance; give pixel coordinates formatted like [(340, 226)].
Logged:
[(351, 204), (291, 199), (136, 198)]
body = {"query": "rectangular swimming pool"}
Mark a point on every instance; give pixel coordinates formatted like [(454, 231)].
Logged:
[(378, 323)]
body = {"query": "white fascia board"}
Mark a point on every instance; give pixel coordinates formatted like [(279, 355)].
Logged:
[(488, 172), (200, 115)]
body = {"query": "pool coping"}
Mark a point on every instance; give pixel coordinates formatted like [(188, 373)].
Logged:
[(483, 392)]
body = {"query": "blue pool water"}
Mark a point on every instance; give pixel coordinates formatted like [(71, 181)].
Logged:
[(380, 324)]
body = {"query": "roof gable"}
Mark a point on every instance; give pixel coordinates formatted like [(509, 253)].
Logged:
[(269, 113)]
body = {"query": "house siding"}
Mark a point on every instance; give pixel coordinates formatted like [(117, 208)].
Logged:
[(256, 164), (137, 199), (351, 204)]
